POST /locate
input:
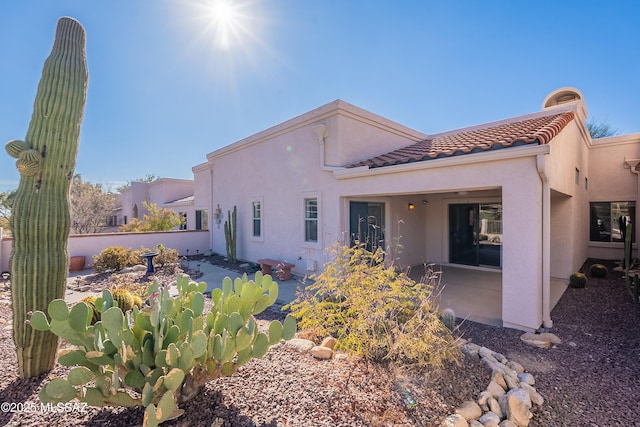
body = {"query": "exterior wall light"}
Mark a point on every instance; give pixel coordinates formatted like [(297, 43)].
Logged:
[(411, 206)]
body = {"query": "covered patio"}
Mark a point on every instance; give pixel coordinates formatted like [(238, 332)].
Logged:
[(476, 293)]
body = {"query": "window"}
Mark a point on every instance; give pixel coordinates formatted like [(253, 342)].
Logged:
[(586, 183), (311, 220), (607, 220), (577, 176), (183, 218), (202, 219), (257, 219)]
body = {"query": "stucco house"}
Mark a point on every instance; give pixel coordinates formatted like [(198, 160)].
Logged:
[(169, 193), (530, 196)]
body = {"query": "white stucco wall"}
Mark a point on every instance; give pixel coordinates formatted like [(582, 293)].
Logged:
[(612, 180), (282, 166), (568, 162)]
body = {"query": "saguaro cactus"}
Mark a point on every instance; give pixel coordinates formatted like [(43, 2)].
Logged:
[(40, 220)]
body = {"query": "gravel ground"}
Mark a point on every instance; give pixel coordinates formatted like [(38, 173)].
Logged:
[(589, 380)]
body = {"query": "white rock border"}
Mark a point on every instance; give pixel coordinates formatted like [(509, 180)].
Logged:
[(507, 400)]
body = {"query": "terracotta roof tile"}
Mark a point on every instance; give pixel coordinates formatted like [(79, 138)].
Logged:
[(538, 130)]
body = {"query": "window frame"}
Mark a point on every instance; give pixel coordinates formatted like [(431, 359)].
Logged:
[(308, 196), (252, 203), (203, 221), (611, 219)]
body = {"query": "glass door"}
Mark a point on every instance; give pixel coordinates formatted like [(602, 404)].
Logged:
[(475, 234), (366, 223)]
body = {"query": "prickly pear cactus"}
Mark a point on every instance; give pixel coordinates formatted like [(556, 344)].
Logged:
[(40, 221), (165, 351)]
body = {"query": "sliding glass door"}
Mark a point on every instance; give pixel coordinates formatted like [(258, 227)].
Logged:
[(475, 234)]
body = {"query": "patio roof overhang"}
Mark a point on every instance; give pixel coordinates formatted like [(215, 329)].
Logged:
[(529, 150)]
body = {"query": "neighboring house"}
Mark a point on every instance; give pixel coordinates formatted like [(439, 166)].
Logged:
[(532, 196), (174, 194)]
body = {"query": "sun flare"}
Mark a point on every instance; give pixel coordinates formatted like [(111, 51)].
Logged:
[(226, 22)]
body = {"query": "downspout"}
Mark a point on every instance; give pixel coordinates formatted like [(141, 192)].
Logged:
[(546, 241), (322, 134)]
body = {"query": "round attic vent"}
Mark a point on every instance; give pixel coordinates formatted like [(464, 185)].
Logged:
[(562, 96), (566, 95)]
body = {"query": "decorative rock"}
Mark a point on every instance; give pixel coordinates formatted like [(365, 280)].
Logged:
[(494, 407), (488, 417), (340, 356), (500, 358), (469, 410), (551, 337), (471, 349), (536, 340), (533, 394), (512, 381), (320, 352), (515, 366), (526, 378), (485, 352), (510, 392), (329, 342), (483, 397), (495, 390), (300, 345), (455, 420), (498, 377), (516, 405), (133, 269), (3, 321)]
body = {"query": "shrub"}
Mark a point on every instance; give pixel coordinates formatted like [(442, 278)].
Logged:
[(165, 352), (113, 258), (158, 219), (577, 280), (375, 311), (598, 270), (165, 257)]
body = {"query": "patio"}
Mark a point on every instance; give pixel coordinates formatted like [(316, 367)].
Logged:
[(476, 294)]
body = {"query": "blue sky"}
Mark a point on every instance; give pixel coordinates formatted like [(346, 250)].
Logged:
[(165, 89)]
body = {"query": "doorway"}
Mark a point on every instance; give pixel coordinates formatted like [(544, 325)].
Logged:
[(475, 234), (366, 224)]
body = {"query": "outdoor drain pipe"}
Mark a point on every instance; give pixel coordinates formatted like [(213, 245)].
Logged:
[(546, 240)]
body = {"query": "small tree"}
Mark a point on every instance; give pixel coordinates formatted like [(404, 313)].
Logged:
[(90, 206), (374, 310), (158, 219), (599, 129), (6, 200)]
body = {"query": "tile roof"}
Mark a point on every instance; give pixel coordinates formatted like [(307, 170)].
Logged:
[(537, 130)]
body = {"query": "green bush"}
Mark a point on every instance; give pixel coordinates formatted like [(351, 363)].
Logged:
[(577, 280), (164, 352), (114, 258), (376, 311), (598, 270)]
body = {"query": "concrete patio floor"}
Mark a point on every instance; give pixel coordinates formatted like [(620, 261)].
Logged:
[(476, 294)]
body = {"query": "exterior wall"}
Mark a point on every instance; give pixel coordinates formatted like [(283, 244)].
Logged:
[(89, 245), (612, 180), (281, 171), (356, 134), (5, 251), (567, 168), (161, 192)]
